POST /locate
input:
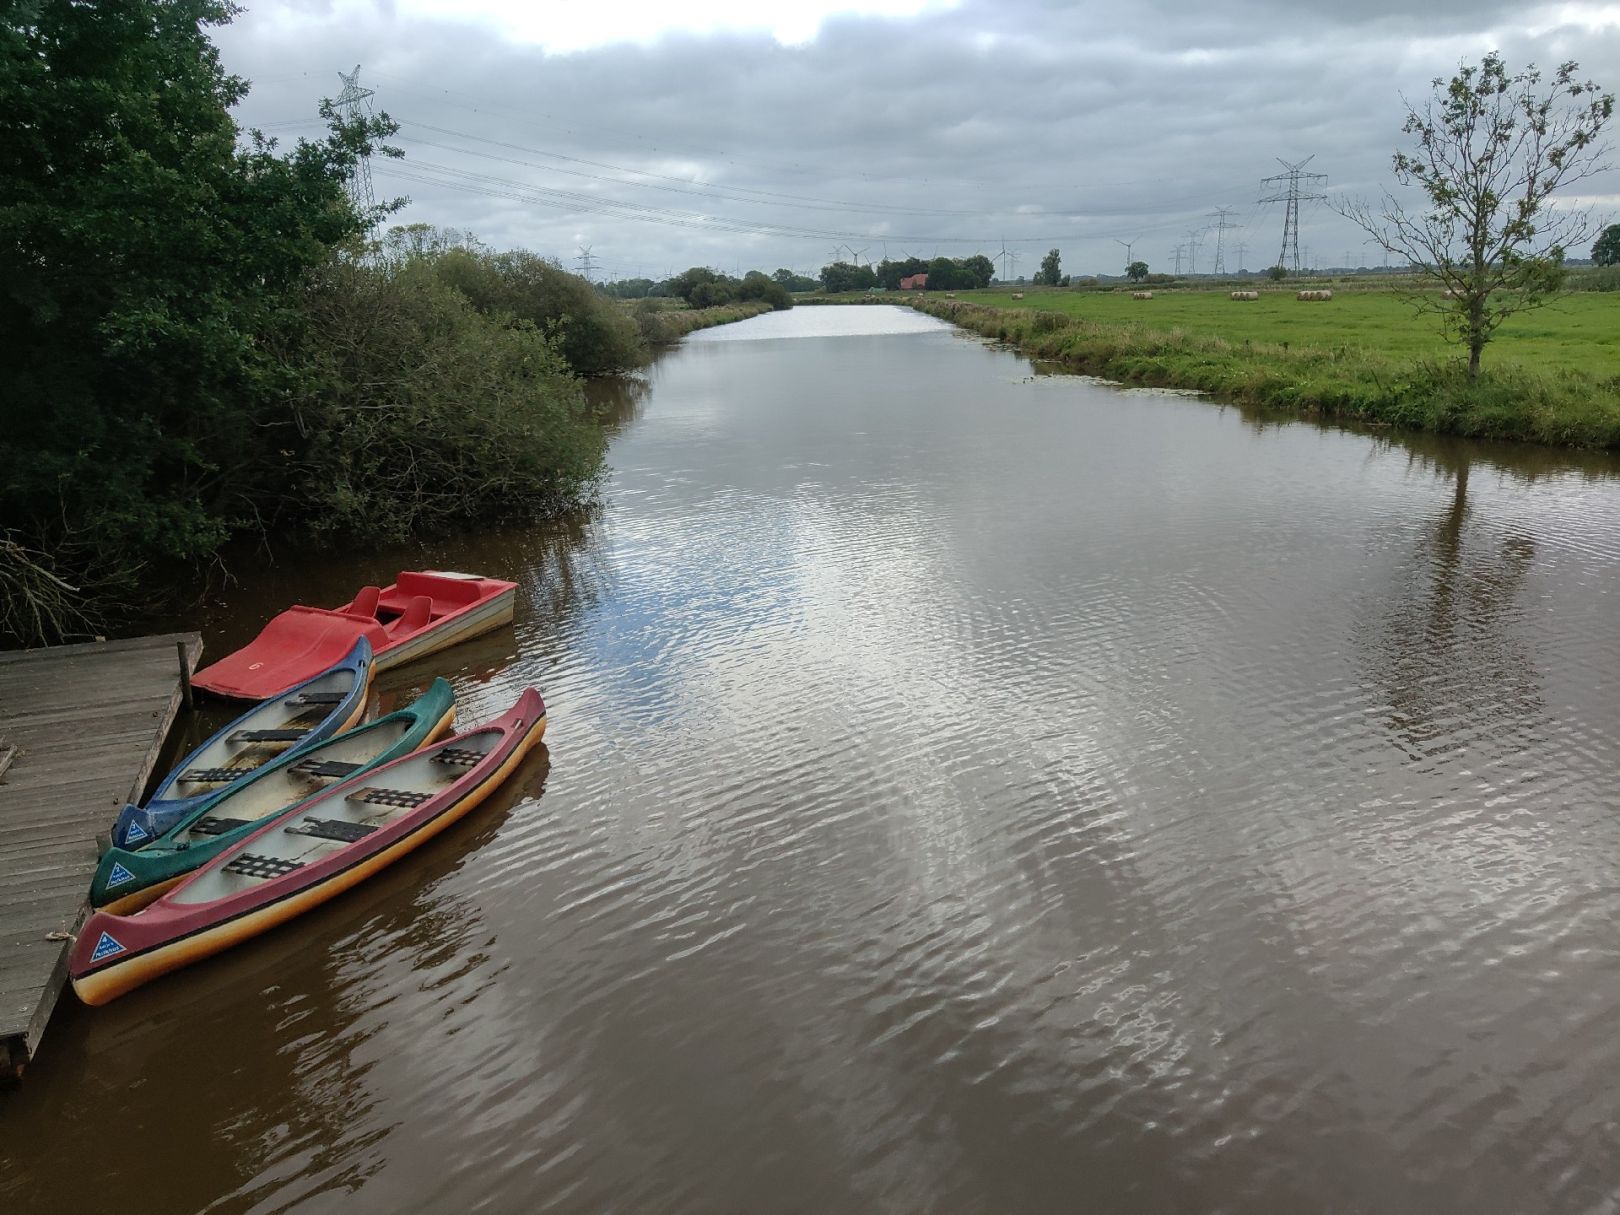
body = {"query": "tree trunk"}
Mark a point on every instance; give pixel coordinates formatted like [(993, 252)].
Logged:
[(1476, 336)]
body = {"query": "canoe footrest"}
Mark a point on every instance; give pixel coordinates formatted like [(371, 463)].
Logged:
[(250, 864), (338, 829), (458, 757), (213, 776), (325, 767), (406, 799), (253, 736), (315, 698), (217, 826)]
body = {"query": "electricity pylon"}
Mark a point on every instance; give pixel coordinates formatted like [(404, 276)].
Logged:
[(1294, 186), (353, 104)]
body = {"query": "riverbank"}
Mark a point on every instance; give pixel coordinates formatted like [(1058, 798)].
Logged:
[(662, 326), (1549, 404)]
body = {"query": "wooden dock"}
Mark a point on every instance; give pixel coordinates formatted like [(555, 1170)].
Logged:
[(87, 724)]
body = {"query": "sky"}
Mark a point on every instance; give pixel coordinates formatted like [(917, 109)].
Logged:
[(743, 135)]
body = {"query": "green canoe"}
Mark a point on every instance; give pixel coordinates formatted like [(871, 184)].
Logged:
[(126, 881)]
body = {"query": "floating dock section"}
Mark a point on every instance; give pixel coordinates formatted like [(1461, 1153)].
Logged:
[(84, 725)]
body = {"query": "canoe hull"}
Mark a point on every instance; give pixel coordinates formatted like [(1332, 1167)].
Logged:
[(137, 826), (179, 934), (127, 880)]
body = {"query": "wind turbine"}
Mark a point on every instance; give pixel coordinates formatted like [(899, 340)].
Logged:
[(1127, 245)]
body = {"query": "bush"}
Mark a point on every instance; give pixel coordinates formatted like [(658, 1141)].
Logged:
[(593, 333), (414, 411)]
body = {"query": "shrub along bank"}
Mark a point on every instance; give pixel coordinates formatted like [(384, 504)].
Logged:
[(661, 325), (197, 345), (1546, 406)]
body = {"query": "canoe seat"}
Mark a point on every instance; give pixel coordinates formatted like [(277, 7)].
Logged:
[(325, 767), (257, 736), (399, 798), (365, 603), (459, 757), (315, 698), (338, 829), (416, 615), (250, 864), (210, 825), (213, 776)]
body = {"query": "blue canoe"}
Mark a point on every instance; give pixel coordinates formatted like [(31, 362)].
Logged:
[(286, 724)]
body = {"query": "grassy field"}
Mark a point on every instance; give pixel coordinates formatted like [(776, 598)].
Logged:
[(1552, 376), (1580, 332)]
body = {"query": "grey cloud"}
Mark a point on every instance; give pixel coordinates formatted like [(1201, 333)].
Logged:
[(1107, 121)]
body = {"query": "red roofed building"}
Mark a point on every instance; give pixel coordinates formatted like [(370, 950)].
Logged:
[(915, 282)]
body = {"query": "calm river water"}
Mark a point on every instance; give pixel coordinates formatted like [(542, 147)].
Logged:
[(968, 791)]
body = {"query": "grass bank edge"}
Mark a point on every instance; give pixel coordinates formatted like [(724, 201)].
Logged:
[(1568, 408)]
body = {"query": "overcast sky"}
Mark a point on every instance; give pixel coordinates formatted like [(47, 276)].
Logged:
[(741, 134)]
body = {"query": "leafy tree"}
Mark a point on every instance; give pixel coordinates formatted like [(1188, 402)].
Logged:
[(145, 251), (979, 269), (406, 241), (842, 276), (946, 274), (1277, 273), (1607, 250), (757, 285), (1490, 151), (701, 287), (688, 281), (628, 288), (1136, 271), (889, 273), (795, 282), (1051, 270)]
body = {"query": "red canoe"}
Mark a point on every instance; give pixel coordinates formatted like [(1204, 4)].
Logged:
[(424, 611)]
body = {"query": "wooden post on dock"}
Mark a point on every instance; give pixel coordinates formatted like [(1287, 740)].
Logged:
[(182, 647)]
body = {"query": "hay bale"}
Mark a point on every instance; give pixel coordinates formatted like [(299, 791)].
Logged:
[(1245, 295), (1018, 295), (1141, 295), (1314, 295)]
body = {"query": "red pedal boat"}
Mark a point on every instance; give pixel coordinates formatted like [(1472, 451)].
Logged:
[(424, 611)]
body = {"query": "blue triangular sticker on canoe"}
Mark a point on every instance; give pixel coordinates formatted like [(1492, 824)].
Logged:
[(133, 832), (119, 875), (105, 948)]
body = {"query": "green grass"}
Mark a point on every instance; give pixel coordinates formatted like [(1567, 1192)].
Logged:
[(1554, 379), (1580, 332)]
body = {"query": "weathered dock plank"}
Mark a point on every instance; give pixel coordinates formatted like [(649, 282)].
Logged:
[(85, 724)]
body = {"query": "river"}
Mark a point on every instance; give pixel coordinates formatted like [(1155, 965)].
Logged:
[(967, 790)]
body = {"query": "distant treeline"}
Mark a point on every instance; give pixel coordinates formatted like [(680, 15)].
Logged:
[(704, 288), (944, 274)]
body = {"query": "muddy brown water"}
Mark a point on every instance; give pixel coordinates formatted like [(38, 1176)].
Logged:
[(967, 790)]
